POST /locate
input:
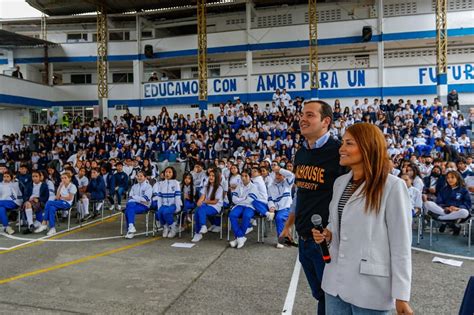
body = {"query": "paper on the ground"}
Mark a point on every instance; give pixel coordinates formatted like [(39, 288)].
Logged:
[(451, 262), (183, 245)]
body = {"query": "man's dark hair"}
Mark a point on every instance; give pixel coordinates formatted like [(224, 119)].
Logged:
[(325, 110)]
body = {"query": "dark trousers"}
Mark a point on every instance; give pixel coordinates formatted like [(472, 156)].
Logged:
[(313, 265)]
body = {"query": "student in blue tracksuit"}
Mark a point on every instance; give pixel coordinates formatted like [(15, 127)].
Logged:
[(139, 201), (96, 190), (453, 202), (119, 185), (209, 204), (188, 193), (260, 202), (64, 200), (9, 199), (241, 197), (167, 195), (35, 198), (279, 197)]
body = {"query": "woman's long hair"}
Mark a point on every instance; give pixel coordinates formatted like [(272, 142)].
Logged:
[(373, 148)]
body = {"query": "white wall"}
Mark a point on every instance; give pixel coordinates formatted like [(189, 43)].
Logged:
[(12, 120)]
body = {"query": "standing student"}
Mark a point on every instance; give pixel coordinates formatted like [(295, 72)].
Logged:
[(242, 197), (139, 200), (369, 231), (317, 167), (167, 195), (279, 197), (209, 204), (64, 200), (9, 192)]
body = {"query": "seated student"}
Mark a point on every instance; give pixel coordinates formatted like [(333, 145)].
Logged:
[(209, 204), (453, 202), (118, 186), (243, 209), (64, 200), (83, 201), (35, 198), (279, 197), (167, 201), (260, 202), (139, 200), (9, 192), (96, 190), (415, 195), (188, 194)]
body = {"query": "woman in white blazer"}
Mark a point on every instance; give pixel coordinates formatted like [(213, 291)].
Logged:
[(369, 231)]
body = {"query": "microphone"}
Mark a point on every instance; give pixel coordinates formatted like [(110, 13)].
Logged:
[(317, 222)]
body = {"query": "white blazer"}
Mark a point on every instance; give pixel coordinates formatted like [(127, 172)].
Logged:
[(371, 257)]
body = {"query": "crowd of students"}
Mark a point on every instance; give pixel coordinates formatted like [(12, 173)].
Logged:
[(239, 160)]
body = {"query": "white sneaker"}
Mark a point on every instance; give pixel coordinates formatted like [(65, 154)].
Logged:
[(241, 241), (211, 228), (41, 228), (9, 230), (233, 243), (51, 231), (280, 246), (119, 207), (129, 235), (112, 207), (172, 232), (254, 222), (215, 229), (250, 229), (37, 224), (131, 228), (270, 216), (197, 237), (181, 229), (203, 230), (166, 230), (65, 214)]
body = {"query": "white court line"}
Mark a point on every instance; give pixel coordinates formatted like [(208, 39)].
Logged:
[(290, 296), (442, 254), (45, 238), (78, 239)]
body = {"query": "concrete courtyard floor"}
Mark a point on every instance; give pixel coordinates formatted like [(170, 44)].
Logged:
[(72, 273)]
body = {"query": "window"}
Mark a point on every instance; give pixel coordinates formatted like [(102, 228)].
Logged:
[(214, 72), (81, 78), (77, 37), (122, 77), (147, 34), (119, 35)]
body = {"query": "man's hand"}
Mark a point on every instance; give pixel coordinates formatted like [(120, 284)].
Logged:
[(320, 237), (286, 233)]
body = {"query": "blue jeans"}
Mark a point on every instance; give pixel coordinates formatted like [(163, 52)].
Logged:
[(119, 192), (50, 210), (6, 205), (313, 265), (201, 214), (166, 214), (188, 206), (246, 213), (336, 306)]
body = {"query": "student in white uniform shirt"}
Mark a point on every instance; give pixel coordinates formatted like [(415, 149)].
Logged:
[(83, 201), (167, 201), (139, 201), (260, 202), (242, 197), (9, 199), (64, 200), (209, 204), (279, 197), (415, 195)]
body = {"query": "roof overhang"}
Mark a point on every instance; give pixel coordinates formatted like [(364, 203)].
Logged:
[(14, 40)]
